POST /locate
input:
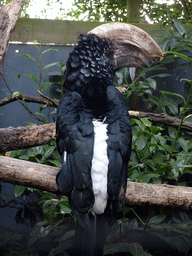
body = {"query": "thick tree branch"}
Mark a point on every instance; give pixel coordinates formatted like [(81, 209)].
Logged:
[(138, 194), (25, 137), (30, 136), (9, 15)]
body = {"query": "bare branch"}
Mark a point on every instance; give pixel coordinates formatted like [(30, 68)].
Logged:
[(162, 118), (26, 98), (138, 194), (50, 102)]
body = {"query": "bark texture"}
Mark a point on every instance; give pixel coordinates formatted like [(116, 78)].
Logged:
[(26, 136), (9, 15), (138, 194), (30, 136)]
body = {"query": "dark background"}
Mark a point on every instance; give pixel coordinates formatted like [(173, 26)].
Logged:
[(15, 115)]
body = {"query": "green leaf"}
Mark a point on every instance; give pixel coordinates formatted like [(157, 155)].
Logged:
[(155, 129), (179, 26), (35, 151), (45, 86), (172, 131), (64, 208), (32, 77), (187, 117), (188, 81), (18, 190), (137, 250), (49, 209), (162, 75), (69, 234), (179, 55), (152, 83), (185, 65), (50, 49), (174, 94), (16, 94), (49, 195), (157, 219), (28, 56), (125, 71), (146, 122), (134, 248), (36, 232), (119, 75), (132, 71), (140, 142), (40, 114), (184, 144), (51, 65), (48, 151)]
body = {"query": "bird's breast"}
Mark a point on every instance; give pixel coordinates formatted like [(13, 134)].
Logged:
[(99, 168)]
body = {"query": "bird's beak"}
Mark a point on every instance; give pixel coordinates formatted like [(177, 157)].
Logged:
[(132, 44)]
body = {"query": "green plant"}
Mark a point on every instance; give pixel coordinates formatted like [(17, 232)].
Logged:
[(176, 38), (156, 157), (160, 154), (162, 13), (38, 80)]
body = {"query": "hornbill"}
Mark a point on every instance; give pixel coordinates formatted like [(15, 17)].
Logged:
[(94, 130)]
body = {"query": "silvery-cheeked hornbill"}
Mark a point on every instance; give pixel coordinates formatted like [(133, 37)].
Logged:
[(94, 130)]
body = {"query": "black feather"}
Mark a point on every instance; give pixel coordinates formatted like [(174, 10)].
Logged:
[(90, 94)]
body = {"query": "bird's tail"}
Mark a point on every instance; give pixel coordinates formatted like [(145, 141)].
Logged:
[(90, 242)]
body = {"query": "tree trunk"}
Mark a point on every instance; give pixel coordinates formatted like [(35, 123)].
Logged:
[(30, 136), (9, 15), (138, 194)]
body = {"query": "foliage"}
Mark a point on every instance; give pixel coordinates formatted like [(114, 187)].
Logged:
[(97, 10), (117, 10), (24, 9), (165, 12), (42, 87), (159, 229), (176, 38), (160, 154), (34, 204)]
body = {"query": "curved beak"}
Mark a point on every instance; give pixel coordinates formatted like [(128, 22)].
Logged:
[(132, 44)]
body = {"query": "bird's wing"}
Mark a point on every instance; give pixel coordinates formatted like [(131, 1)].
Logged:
[(75, 138), (119, 150)]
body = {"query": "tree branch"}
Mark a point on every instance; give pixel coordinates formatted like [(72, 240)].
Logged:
[(50, 102), (185, 7), (9, 15), (26, 136), (162, 118), (30, 136), (138, 194), (21, 96)]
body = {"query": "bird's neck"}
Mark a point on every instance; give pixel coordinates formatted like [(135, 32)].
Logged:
[(95, 98)]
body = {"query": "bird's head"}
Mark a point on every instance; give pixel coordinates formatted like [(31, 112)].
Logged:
[(132, 44), (98, 54)]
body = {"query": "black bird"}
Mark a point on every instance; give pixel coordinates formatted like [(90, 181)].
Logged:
[(94, 130)]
